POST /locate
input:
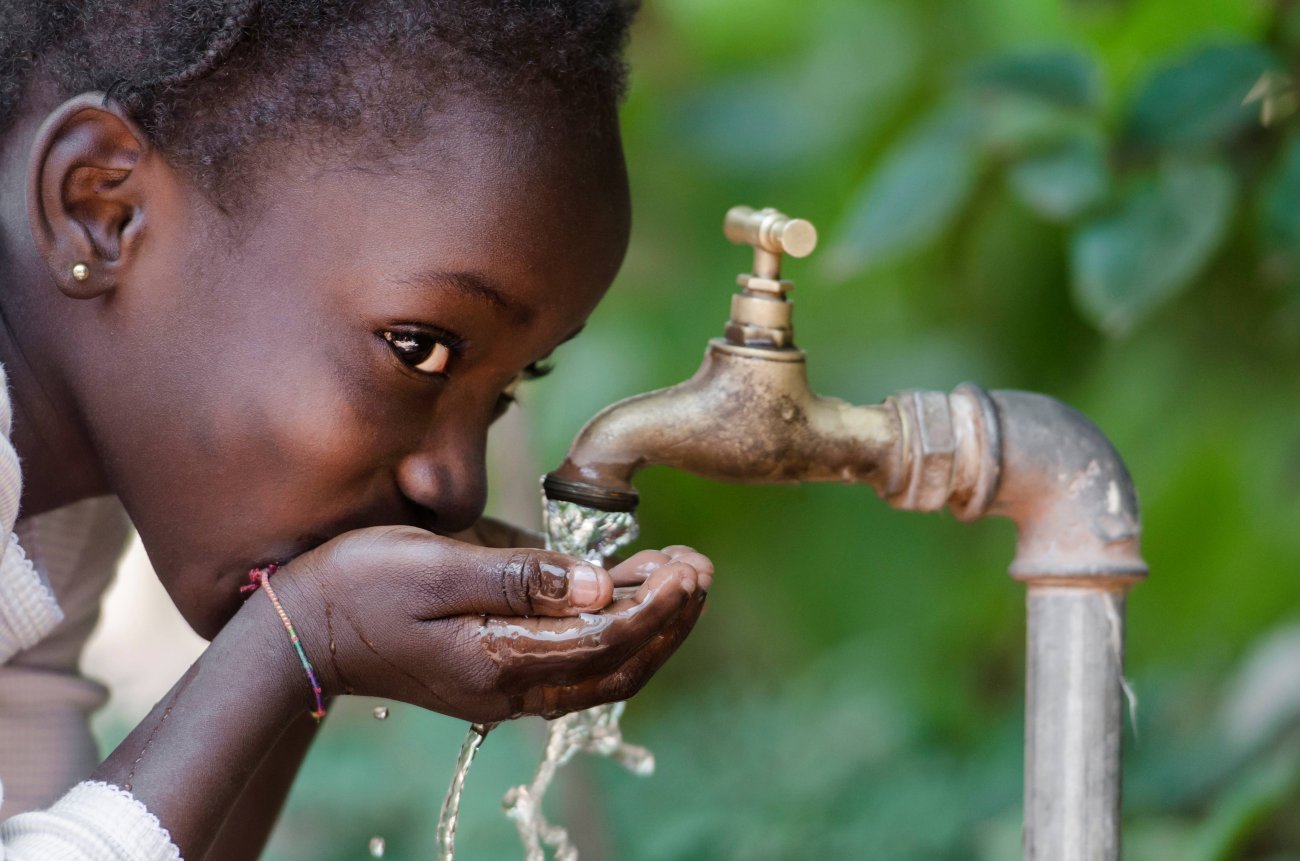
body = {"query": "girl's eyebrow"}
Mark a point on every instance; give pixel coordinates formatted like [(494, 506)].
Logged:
[(474, 286)]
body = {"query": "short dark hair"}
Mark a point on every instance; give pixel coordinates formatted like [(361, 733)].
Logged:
[(208, 80)]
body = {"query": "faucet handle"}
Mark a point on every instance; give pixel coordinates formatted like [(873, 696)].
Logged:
[(760, 315), (772, 234)]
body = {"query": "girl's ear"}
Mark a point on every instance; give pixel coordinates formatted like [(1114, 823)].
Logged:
[(88, 188)]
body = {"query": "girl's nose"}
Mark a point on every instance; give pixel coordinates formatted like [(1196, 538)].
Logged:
[(447, 482)]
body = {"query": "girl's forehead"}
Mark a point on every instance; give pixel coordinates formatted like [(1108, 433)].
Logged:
[(466, 154), (467, 189), (529, 224)]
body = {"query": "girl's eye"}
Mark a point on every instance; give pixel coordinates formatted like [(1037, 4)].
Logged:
[(423, 352)]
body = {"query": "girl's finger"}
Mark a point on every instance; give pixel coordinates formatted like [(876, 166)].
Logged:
[(635, 570), (445, 577), (563, 651), (681, 565), (512, 582), (623, 682), (701, 563)]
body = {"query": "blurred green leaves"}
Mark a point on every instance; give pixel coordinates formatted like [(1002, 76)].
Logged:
[(1161, 233), (1066, 79), (1146, 201), (915, 195), (794, 111), (1030, 104), (1279, 216), (1198, 101), (1064, 181)]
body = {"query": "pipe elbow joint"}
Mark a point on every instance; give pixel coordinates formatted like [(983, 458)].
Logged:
[(1029, 458), (1069, 493)]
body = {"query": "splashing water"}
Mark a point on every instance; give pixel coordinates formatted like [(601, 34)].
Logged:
[(589, 534), (450, 813), (595, 731), (592, 535)]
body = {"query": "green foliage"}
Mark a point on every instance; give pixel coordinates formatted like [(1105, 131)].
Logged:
[(1199, 101), (916, 194), (1062, 182), (1163, 230), (1279, 216), (1066, 79), (1137, 240)]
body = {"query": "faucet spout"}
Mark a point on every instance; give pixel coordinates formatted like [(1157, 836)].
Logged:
[(747, 416)]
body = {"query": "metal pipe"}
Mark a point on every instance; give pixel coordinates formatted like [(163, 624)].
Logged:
[(1009, 454), (1066, 488), (749, 416), (1073, 723), (1048, 468), (1077, 549)]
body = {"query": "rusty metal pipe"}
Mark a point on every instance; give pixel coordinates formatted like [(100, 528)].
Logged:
[(1049, 469), (1069, 493), (1077, 549), (748, 415), (1009, 454)]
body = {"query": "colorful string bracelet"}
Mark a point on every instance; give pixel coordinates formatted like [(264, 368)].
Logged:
[(261, 577)]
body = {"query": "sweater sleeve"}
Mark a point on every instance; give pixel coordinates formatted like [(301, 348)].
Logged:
[(93, 822), (28, 609)]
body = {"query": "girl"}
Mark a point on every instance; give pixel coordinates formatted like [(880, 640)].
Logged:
[(280, 265)]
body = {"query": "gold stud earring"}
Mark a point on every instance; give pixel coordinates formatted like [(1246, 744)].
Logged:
[(80, 272)]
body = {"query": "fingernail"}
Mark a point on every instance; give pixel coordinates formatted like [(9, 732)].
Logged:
[(706, 581), (584, 586)]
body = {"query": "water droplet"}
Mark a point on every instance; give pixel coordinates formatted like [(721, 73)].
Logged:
[(380, 713), (376, 843)]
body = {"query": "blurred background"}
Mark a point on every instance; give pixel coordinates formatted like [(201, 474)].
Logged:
[(1095, 199)]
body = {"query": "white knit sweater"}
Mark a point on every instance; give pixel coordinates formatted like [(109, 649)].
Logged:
[(42, 698)]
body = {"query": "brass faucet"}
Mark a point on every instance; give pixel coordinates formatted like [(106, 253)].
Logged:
[(749, 416)]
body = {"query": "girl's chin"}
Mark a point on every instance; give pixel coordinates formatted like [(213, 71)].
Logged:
[(208, 599), (208, 610)]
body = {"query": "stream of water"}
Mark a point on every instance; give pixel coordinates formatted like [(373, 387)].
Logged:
[(590, 534), (449, 816)]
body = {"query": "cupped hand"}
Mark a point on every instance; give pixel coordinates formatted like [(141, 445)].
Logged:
[(487, 634)]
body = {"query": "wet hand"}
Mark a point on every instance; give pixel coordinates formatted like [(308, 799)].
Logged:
[(485, 634), (659, 597)]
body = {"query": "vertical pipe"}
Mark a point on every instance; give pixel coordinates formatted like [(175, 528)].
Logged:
[(1073, 723), (1045, 466)]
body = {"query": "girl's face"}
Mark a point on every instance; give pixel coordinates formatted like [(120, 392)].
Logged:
[(337, 364)]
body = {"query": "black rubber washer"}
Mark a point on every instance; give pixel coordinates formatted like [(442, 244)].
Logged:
[(590, 495)]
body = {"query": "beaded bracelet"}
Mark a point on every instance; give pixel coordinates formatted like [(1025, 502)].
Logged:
[(261, 577)]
